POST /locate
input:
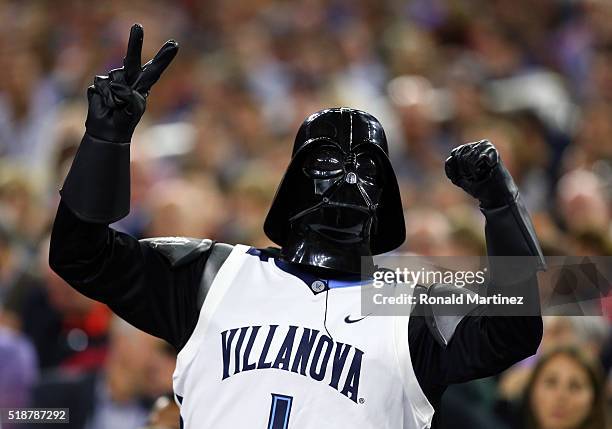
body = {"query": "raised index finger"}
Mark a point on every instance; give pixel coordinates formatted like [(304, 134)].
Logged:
[(131, 62)]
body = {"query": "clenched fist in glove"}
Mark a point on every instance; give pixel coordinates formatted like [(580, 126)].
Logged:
[(97, 188), (478, 169)]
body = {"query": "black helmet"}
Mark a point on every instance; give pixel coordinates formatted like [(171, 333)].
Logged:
[(340, 164)]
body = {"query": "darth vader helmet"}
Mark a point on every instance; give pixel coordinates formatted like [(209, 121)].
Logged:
[(339, 202)]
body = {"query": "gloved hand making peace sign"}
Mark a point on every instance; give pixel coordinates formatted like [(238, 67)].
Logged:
[(117, 101), (97, 188)]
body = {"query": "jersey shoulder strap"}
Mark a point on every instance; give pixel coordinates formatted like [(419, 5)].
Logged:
[(179, 250)]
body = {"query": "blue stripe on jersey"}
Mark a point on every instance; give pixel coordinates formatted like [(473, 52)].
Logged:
[(333, 284)]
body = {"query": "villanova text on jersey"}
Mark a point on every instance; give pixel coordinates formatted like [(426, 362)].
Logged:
[(303, 351)]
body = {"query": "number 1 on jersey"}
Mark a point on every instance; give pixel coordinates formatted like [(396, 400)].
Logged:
[(279, 411)]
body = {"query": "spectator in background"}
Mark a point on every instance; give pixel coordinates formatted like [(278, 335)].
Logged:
[(582, 202), (586, 333), (28, 109), (165, 414), (10, 263), (18, 369), (565, 391), (67, 329), (158, 370), (116, 396)]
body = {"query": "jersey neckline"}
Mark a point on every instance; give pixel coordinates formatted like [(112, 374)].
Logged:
[(316, 284)]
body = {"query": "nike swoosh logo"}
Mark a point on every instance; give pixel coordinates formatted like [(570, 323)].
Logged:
[(348, 319)]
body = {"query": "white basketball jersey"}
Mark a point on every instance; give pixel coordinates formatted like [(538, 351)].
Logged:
[(272, 351)]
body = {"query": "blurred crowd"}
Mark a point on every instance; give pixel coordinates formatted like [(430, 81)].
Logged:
[(532, 76)]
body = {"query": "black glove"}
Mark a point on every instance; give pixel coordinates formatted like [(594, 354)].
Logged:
[(97, 188), (117, 101), (478, 169)]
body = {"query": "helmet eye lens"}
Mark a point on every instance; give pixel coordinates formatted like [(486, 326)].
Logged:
[(367, 169), (324, 163)]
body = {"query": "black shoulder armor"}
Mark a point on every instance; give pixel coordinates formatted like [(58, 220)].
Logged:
[(179, 250), (182, 250)]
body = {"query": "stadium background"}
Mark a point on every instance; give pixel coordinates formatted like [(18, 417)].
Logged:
[(533, 76)]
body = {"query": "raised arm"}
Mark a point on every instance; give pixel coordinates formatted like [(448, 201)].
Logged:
[(490, 338), (494, 337), (153, 284)]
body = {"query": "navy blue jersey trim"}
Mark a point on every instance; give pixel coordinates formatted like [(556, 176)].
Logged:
[(263, 256), (266, 255), (295, 270)]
